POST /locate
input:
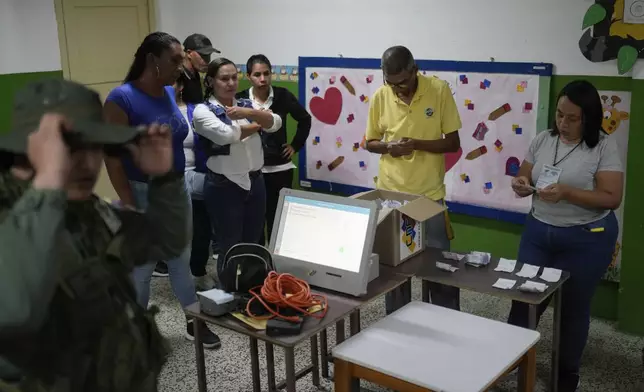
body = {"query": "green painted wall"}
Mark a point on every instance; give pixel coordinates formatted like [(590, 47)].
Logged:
[(612, 301), (12, 82)]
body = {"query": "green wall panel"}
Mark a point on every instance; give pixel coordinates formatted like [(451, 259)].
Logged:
[(12, 82)]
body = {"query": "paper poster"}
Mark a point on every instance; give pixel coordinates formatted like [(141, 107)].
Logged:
[(617, 107), (499, 115)]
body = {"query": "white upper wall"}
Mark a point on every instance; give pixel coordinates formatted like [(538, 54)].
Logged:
[(28, 36), (466, 30)]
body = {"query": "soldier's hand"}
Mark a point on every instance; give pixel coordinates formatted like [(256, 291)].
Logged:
[(48, 153), (152, 153)]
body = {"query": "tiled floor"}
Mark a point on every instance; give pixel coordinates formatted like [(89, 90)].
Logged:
[(612, 360)]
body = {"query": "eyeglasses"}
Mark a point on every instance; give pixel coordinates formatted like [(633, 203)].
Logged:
[(205, 57), (405, 83)]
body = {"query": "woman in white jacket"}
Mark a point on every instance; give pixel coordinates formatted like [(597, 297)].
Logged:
[(234, 189)]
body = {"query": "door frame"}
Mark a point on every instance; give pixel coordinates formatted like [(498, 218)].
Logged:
[(62, 38)]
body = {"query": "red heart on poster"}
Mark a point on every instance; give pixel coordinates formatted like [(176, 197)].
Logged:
[(451, 159), (327, 109)]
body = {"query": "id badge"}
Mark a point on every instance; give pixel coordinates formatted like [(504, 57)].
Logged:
[(549, 175)]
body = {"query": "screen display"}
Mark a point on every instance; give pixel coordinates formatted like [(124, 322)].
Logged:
[(322, 233)]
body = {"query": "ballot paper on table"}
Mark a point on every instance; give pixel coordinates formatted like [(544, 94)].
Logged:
[(551, 275), (533, 287), (504, 284), (528, 271), (478, 259), (506, 265), (446, 267), (452, 256)]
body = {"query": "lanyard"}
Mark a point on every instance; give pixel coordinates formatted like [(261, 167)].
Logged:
[(555, 162)]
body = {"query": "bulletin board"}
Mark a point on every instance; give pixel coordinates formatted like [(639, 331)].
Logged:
[(502, 106)]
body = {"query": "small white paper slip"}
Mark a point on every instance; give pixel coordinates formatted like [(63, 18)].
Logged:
[(551, 275), (504, 284), (528, 271), (445, 267), (506, 265), (533, 287)]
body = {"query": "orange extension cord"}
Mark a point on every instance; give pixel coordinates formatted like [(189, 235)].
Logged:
[(286, 291)]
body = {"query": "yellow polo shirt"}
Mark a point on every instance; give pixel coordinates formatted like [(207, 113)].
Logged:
[(431, 114)]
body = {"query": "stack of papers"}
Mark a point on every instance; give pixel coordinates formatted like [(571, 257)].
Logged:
[(446, 267), (504, 284), (452, 256), (533, 287), (506, 265), (551, 275), (478, 259), (528, 271)]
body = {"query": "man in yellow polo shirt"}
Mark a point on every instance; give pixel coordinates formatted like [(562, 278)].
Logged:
[(413, 121)]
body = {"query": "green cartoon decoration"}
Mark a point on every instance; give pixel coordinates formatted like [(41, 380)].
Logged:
[(607, 37)]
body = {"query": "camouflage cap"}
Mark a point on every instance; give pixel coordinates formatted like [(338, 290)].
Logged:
[(81, 105)]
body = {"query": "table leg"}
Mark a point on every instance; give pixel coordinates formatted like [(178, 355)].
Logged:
[(532, 316), (270, 367), (556, 336), (339, 332), (200, 358), (354, 328), (341, 376), (324, 353), (315, 361), (424, 289), (528, 371), (354, 322), (254, 365), (289, 362)]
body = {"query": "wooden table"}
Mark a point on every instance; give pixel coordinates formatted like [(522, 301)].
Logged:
[(423, 347), (340, 306), (480, 280)]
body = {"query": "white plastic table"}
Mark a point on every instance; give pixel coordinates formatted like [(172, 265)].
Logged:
[(423, 347)]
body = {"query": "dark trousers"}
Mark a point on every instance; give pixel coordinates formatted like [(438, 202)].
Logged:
[(274, 184), (586, 252), (236, 214), (201, 238)]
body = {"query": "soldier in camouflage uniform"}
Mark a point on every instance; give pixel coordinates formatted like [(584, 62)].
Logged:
[(69, 320)]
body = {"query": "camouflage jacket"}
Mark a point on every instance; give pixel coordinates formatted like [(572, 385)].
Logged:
[(68, 313)]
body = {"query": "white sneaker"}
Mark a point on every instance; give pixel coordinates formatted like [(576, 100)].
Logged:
[(204, 283)]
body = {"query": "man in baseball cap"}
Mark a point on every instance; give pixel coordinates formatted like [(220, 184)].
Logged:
[(198, 50), (67, 255)]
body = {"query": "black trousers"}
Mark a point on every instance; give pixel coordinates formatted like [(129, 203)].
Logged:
[(274, 183), (202, 235)]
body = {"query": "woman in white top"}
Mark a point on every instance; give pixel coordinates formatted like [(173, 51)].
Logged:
[(234, 189)]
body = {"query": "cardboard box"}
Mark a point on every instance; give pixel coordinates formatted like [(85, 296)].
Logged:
[(400, 231)]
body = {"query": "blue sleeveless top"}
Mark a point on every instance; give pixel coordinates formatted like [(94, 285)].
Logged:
[(143, 109)]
